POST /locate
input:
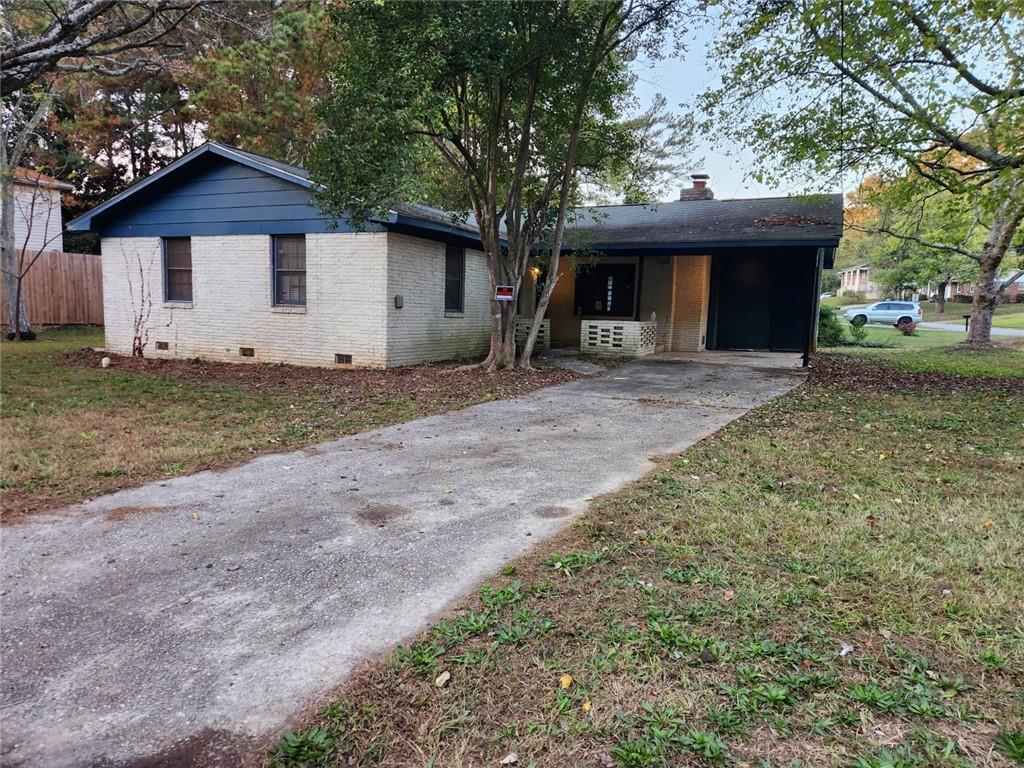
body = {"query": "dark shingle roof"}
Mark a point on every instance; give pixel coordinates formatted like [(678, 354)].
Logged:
[(814, 220), (763, 219), (423, 212)]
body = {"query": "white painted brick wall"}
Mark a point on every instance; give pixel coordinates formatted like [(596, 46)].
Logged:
[(231, 307), (421, 330), (351, 282)]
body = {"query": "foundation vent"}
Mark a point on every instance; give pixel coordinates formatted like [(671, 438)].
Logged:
[(247, 352), (343, 359), (162, 345)]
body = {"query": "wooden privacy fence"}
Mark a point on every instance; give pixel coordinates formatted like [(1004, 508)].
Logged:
[(64, 289)]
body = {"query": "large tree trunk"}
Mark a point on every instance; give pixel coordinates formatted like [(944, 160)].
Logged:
[(503, 336), (12, 147), (988, 289), (940, 298), (15, 318), (502, 353), (986, 297)]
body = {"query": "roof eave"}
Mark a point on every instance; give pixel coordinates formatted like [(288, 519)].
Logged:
[(700, 245)]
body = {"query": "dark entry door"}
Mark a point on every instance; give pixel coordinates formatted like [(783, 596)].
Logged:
[(606, 289), (761, 300)]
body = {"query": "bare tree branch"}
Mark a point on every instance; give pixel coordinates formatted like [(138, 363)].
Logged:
[(82, 31)]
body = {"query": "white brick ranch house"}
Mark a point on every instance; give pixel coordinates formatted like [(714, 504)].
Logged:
[(224, 255)]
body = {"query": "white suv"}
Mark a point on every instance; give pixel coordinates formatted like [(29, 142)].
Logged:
[(887, 312)]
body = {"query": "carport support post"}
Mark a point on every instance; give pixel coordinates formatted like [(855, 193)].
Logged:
[(812, 321), (639, 287)]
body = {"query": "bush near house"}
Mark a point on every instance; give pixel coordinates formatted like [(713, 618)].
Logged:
[(831, 580), (830, 328), (907, 328)]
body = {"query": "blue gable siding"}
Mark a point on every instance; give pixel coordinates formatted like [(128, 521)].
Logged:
[(215, 196)]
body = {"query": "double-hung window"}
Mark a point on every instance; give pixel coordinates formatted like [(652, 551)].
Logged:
[(454, 278), (178, 269), (289, 270)]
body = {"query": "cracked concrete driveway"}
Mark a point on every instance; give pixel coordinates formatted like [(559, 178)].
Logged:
[(185, 622)]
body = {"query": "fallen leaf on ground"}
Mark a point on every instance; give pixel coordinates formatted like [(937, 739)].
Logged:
[(565, 681), (510, 759), (442, 680)]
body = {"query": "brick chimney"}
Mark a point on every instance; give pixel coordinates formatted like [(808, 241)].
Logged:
[(700, 189)]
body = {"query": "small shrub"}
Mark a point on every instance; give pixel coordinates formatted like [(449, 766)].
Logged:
[(304, 749), (854, 295), (858, 332), (907, 328), (830, 330)]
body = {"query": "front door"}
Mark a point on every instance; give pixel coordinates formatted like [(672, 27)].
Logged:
[(606, 290)]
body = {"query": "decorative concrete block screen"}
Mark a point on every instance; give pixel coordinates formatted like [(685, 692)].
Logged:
[(543, 336), (625, 338)]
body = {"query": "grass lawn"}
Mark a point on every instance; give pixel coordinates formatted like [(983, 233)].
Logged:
[(1015, 320), (929, 350), (835, 579), (71, 429), (886, 334)]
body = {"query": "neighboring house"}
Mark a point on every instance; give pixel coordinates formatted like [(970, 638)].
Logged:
[(37, 211), (858, 279), (225, 255), (963, 290), (1015, 290)]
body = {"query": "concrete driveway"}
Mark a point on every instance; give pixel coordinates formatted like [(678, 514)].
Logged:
[(185, 622)]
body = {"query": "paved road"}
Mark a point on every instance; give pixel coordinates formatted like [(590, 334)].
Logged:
[(186, 621), (953, 326)]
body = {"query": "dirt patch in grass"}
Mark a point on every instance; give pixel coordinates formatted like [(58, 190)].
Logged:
[(440, 383), (833, 579), (72, 430)]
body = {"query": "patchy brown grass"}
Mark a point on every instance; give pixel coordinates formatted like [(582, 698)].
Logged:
[(971, 372), (835, 579), (72, 430)]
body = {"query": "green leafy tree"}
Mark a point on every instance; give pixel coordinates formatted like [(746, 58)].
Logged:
[(930, 87), (914, 208), (257, 91), (517, 100)]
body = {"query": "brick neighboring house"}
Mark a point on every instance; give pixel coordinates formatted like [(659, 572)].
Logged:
[(963, 290), (225, 255)]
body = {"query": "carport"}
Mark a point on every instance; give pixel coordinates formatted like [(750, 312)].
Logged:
[(764, 298), (696, 274)]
